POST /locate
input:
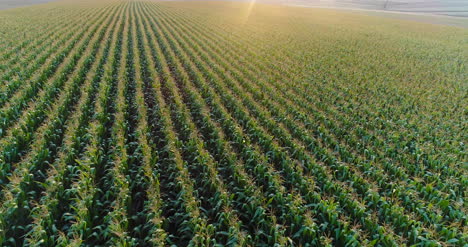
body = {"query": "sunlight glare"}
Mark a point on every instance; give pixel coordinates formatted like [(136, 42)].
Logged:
[(249, 11)]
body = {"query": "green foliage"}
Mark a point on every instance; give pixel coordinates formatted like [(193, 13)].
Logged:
[(141, 123)]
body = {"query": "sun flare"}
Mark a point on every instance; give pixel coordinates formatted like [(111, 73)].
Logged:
[(248, 11)]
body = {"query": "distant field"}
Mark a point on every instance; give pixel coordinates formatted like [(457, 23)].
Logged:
[(147, 123), (442, 7)]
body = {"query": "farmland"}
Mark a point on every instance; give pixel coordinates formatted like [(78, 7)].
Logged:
[(146, 123)]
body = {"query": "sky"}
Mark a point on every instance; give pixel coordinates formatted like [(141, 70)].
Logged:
[(7, 4), (444, 7)]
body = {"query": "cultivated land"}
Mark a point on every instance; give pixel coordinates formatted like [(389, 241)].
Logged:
[(139, 123)]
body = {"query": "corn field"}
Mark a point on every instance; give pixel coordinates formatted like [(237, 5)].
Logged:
[(146, 123)]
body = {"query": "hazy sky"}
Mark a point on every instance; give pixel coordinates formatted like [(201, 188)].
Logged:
[(446, 7), (6, 4)]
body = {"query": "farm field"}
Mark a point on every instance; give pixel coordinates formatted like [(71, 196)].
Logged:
[(148, 123)]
